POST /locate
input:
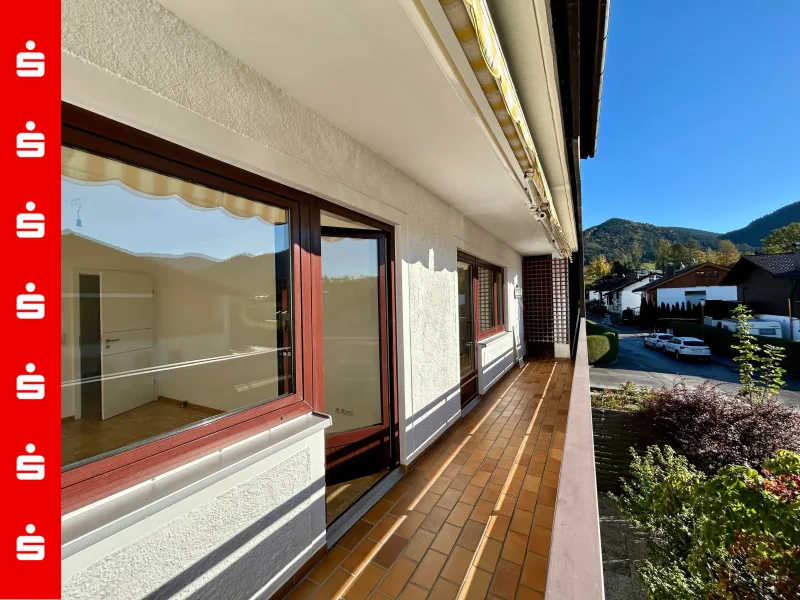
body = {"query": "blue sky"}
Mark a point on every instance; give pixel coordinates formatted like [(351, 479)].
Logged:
[(700, 118)]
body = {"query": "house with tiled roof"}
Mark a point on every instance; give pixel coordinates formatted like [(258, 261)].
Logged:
[(772, 281), (689, 285)]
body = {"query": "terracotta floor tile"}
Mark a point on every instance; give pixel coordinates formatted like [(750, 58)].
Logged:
[(376, 512), (354, 535), (403, 505), (521, 521), (302, 591), (390, 550), (477, 508), (435, 519), (358, 557), (505, 580), (460, 482), (456, 567), (488, 554), (534, 572), (459, 515), (440, 485), (527, 500), (444, 590), (476, 585), (532, 483), (410, 524), (471, 535), (491, 492), (514, 547), (385, 525), (550, 478), (498, 525), (366, 581), (481, 478), (397, 492), (446, 538), (539, 541), (328, 564), (428, 569), (449, 499), (547, 495), (526, 593), (397, 577), (505, 505), (334, 586), (543, 516), (482, 511), (471, 494), (427, 502), (419, 544), (413, 592)]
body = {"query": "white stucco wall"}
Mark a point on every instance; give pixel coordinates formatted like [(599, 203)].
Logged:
[(221, 542), (714, 292), (135, 62)]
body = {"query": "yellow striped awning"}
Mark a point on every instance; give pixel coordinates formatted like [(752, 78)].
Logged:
[(82, 166)]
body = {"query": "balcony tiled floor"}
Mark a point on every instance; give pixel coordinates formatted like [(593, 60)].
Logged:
[(473, 518)]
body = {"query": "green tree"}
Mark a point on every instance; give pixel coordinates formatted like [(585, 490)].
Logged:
[(679, 253), (782, 239), (597, 268), (663, 253), (636, 255), (694, 253), (727, 254), (760, 371)]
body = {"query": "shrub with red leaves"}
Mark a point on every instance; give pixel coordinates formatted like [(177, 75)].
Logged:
[(713, 429)]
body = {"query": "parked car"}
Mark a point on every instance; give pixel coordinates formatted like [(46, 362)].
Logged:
[(687, 347), (656, 340)]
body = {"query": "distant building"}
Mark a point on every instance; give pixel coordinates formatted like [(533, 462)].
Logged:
[(770, 285), (689, 285)]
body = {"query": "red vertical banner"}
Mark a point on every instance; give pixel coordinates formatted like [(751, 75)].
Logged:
[(30, 456)]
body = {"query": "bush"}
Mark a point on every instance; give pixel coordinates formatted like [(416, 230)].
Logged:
[(735, 535), (628, 398), (713, 429), (721, 342), (602, 344)]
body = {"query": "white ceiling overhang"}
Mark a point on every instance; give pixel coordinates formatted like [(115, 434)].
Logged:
[(384, 73)]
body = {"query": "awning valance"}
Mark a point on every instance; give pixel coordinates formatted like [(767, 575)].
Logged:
[(85, 167)]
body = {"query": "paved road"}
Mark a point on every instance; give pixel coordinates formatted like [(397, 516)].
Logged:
[(647, 367)]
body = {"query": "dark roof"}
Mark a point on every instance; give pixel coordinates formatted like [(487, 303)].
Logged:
[(613, 283), (678, 273), (782, 266)]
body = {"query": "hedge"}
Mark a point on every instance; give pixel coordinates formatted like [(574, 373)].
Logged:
[(720, 341), (602, 344)]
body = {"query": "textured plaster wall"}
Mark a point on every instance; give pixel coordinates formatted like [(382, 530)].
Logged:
[(221, 543)]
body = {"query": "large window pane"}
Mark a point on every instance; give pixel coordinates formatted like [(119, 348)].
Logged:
[(176, 304)]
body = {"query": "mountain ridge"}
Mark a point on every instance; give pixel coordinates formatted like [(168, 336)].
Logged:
[(616, 236)]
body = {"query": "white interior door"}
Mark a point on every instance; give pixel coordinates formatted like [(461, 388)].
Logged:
[(126, 320)]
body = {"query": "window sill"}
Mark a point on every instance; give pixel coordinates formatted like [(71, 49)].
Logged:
[(88, 525), (491, 339)]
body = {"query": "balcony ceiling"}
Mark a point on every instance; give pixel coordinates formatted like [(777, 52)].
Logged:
[(366, 67)]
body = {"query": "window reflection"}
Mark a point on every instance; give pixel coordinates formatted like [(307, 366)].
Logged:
[(176, 304)]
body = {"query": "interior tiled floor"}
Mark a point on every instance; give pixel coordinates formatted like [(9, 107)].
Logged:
[(339, 497), (473, 518), (90, 436)]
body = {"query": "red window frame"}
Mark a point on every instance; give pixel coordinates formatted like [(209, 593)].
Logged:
[(498, 295), (87, 483)]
